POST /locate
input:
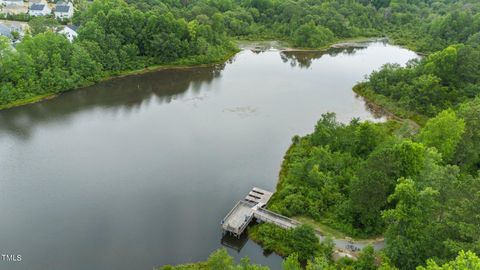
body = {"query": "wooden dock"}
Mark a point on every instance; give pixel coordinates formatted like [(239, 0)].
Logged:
[(252, 207)]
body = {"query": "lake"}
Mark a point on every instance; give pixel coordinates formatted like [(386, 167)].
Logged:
[(138, 171)]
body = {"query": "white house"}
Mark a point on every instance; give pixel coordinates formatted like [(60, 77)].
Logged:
[(64, 10), (39, 10), (70, 32)]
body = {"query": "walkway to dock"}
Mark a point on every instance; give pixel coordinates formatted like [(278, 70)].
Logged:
[(253, 206)]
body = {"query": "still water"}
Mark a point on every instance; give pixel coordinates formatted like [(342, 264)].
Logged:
[(137, 172)]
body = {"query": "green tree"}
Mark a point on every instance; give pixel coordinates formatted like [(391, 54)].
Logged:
[(468, 149), (304, 242), (41, 24), (5, 48), (377, 178), (291, 263), (462, 216), (464, 261), (368, 136), (443, 132), (411, 233), (366, 259), (320, 264), (246, 265), (220, 260), (429, 94), (310, 35), (83, 66)]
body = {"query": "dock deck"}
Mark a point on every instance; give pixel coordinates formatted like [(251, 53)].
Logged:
[(237, 220)]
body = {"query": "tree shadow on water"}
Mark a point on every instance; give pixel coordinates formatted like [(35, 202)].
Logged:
[(304, 59), (120, 95)]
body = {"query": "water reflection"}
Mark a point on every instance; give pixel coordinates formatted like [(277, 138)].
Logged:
[(233, 242), (376, 110), (125, 94), (131, 93), (304, 59)]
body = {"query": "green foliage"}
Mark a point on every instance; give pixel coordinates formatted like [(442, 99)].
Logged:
[(443, 132), (39, 65), (464, 261), (366, 259), (291, 263), (221, 260), (113, 37), (312, 36), (218, 260), (435, 83), (364, 179), (41, 24), (342, 174), (410, 232), (377, 179), (434, 218), (467, 153), (300, 241), (320, 264)]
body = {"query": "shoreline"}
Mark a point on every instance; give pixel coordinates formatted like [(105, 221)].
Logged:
[(382, 105), (110, 77), (247, 45), (359, 42), (284, 46)]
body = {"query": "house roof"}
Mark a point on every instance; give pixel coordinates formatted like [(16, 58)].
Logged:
[(62, 8), (73, 27), (68, 27), (37, 7)]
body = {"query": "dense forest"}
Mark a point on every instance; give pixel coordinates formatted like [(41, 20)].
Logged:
[(368, 179), (123, 35)]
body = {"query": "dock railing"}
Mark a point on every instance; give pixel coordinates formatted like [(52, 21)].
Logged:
[(277, 219)]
